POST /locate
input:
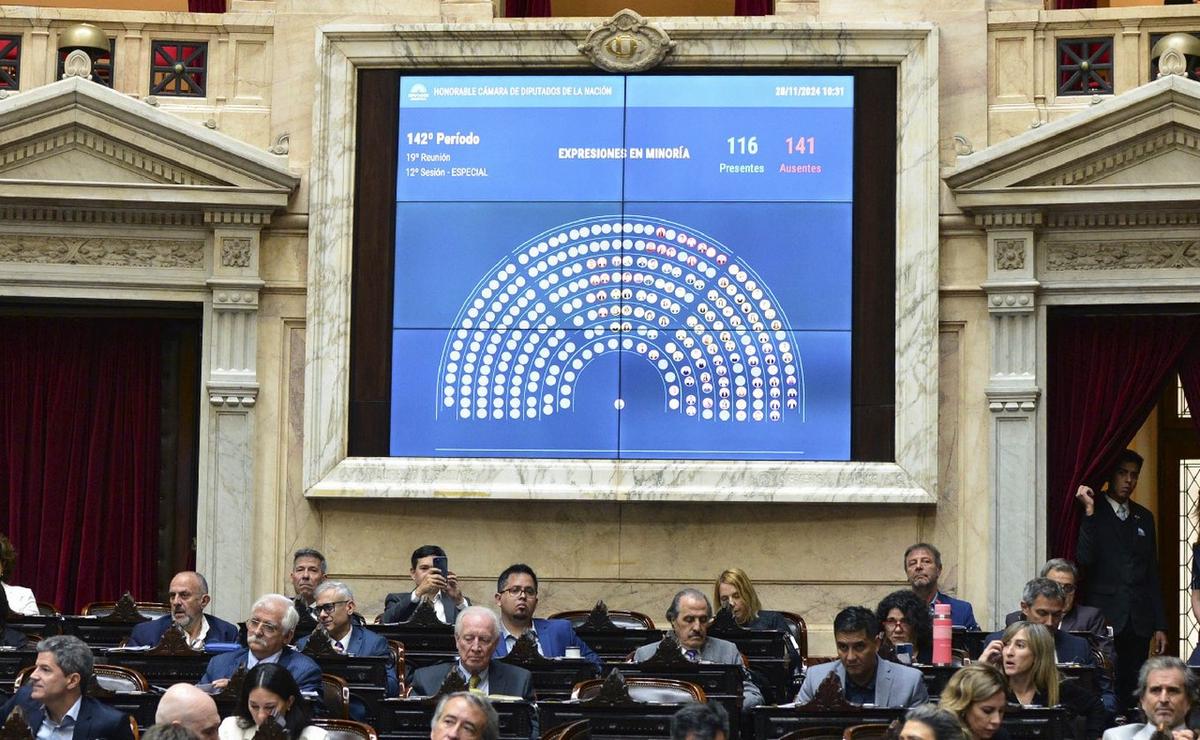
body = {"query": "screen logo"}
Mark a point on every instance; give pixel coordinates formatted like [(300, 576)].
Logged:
[(418, 93)]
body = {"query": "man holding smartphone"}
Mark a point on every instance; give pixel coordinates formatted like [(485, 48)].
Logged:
[(433, 581)]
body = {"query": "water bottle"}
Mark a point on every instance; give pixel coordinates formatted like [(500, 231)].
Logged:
[(943, 629)]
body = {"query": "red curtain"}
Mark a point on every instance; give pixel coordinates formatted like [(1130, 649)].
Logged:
[(1067, 4), (79, 456), (1105, 374), (527, 8), (752, 7), (206, 6)]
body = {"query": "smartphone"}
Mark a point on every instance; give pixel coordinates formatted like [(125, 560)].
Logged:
[(442, 563)]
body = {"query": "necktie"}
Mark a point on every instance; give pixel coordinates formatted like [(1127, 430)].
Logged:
[(693, 656), (1122, 512), (473, 684), (338, 646)]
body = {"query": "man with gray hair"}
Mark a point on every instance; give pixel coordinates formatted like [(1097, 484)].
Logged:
[(52, 697), (268, 630), (476, 632), (698, 721), (1077, 617), (689, 615), (308, 571), (465, 716), (187, 706), (1166, 693), (336, 611)]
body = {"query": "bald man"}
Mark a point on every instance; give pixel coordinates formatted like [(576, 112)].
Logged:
[(187, 706)]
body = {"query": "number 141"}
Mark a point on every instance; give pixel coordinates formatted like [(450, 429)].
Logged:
[(802, 145)]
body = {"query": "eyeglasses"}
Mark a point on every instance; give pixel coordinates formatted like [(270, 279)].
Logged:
[(328, 608), (892, 622), (1068, 588), (516, 591), (267, 628)]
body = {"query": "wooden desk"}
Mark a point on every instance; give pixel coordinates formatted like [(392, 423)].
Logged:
[(1022, 723), (765, 651), (553, 678), (159, 670), (409, 719), (610, 722), (614, 645), (97, 631)]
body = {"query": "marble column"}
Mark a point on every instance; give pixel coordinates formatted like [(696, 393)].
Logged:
[(225, 518), (1013, 397)]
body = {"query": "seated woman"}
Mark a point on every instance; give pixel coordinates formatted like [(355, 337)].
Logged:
[(905, 619), (10, 637), (930, 722), (270, 694), (734, 589), (1026, 654), (978, 696), (20, 599)]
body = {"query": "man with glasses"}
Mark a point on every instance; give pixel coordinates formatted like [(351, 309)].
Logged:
[(1077, 617), (338, 616), (689, 615), (270, 626), (187, 596), (517, 597)]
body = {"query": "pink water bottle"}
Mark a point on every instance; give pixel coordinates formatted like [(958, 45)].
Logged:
[(943, 629)]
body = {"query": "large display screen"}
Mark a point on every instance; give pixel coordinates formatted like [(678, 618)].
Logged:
[(623, 267)]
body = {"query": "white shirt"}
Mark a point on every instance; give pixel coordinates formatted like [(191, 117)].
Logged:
[(1116, 506), (230, 730), (64, 730), (345, 641), (510, 639), (438, 608), (197, 643), (21, 600)]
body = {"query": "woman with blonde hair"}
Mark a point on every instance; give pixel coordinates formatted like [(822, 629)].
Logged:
[(734, 589), (1025, 652), (978, 696)]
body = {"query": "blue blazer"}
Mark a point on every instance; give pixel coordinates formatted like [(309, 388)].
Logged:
[(554, 636), (961, 613), (303, 668), (365, 642), (96, 720), (149, 633)]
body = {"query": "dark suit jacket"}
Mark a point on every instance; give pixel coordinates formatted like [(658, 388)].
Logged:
[(400, 607), (303, 668), (1081, 618), (15, 639), (554, 636), (365, 642), (1071, 649), (149, 633), (96, 720), (1121, 561), (505, 679)]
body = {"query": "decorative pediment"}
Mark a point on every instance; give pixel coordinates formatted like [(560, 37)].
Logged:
[(1142, 148), (75, 140)]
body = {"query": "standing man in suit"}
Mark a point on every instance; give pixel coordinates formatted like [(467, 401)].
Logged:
[(865, 677), (923, 568), (52, 697), (188, 597), (1078, 617), (269, 629), (1117, 547), (430, 584), (476, 632), (308, 570), (517, 598), (1166, 692), (689, 614), (334, 606)]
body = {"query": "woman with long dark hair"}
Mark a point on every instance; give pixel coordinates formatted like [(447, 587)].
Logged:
[(270, 694)]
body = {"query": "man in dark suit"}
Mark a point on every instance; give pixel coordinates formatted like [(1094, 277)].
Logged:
[(188, 597), (517, 598), (1044, 602), (52, 697), (923, 568), (308, 570), (430, 584), (335, 608), (1078, 617), (270, 627), (476, 632), (1118, 552)]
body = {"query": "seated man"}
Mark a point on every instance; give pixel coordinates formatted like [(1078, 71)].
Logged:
[(1043, 602), (52, 696), (517, 597), (865, 677), (187, 706), (923, 568), (430, 584), (689, 615), (1166, 692), (188, 597), (268, 630), (335, 608), (308, 570), (476, 632), (1077, 617), (698, 721), (465, 716)]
